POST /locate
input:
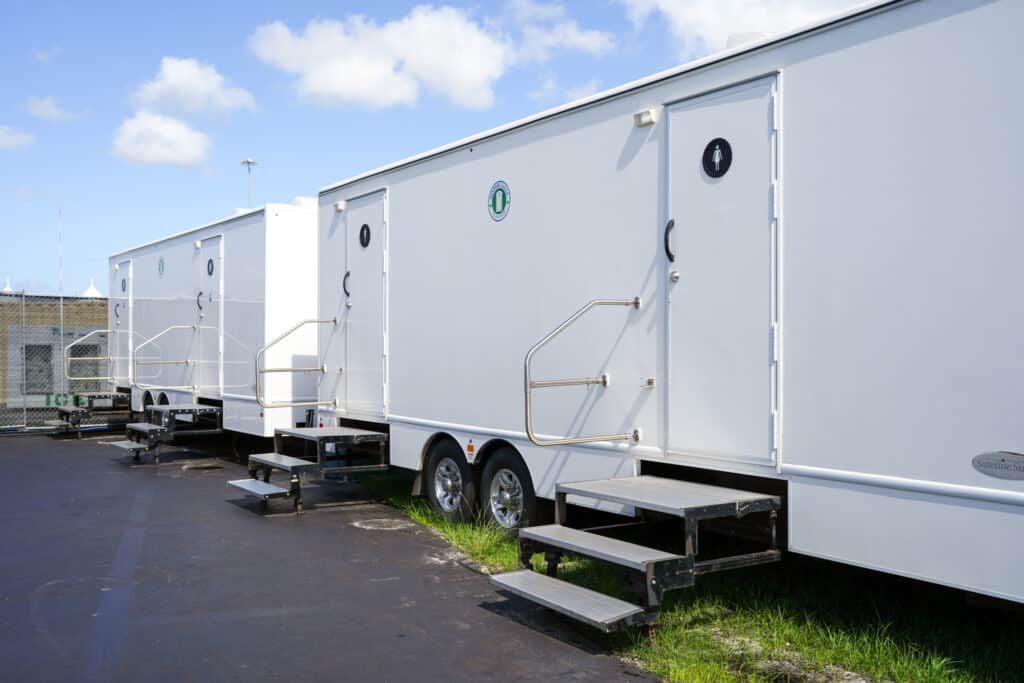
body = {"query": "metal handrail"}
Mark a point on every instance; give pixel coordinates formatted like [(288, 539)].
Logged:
[(67, 360), (262, 371), (136, 362), (529, 384)]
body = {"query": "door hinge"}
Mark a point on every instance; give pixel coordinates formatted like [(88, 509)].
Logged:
[(775, 430), (773, 341)]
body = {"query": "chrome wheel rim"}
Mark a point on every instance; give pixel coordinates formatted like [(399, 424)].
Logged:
[(448, 484), (506, 498)]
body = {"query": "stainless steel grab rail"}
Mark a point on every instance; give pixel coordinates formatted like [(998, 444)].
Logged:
[(67, 360), (136, 362), (262, 371), (529, 384)]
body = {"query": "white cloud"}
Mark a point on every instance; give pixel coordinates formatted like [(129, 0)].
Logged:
[(47, 55), (578, 92), (549, 90), (150, 138), (444, 50), (705, 25), (540, 40), (188, 85), (546, 91), (360, 62), (12, 137), (529, 10), (47, 108)]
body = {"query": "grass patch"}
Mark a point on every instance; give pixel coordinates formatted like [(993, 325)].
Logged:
[(801, 619)]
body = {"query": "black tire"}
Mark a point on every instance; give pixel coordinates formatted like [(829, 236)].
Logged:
[(452, 491), (147, 400), (500, 505)]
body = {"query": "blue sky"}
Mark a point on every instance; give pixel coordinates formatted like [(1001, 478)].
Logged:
[(131, 118)]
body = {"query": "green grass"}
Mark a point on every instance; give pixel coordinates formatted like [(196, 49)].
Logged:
[(779, 622)]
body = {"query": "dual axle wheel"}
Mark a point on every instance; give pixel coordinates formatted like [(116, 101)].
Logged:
[(506, 497)]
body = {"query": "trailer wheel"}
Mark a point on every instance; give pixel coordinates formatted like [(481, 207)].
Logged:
[(451, 489), (509, 500)]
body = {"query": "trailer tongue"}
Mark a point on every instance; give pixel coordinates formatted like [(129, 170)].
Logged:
[(652, 570)]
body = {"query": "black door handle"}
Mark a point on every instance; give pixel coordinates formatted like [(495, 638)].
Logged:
[(117, 311), (198, 296), (344, 284), (668, 241)]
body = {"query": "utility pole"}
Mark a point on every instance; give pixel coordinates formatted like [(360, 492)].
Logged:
[(60, 289), (249, 163)]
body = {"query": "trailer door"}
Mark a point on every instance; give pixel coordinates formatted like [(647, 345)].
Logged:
[(119, 317), (208, 349), (364, 305), (721, 307)]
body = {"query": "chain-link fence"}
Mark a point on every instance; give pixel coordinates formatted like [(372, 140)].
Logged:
[(34, 330)]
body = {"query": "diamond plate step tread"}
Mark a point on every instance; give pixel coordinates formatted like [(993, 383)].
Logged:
[(673, 497), (255, 487), (183, 407), (596, 609), (72, 410), (281, 462), (102, 394), (332, 434), (629, 555), (145, 427), (127, 445)]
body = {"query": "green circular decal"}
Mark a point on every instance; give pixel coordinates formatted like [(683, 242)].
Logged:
[(499, 199)]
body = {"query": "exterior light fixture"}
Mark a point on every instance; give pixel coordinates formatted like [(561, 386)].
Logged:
[(647, 117)]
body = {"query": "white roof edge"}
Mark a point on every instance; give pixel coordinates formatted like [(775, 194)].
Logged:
[(219, 221), (839, 17)]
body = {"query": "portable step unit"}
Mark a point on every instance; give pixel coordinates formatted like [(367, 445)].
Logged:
[(192, 314), (166, 421), (788, 272), (336, 451), (111, 403)]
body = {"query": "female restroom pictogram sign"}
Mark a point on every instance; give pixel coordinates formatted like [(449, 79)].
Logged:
[(717, 157)]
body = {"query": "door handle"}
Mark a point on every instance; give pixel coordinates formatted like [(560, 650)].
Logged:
[(198, 302), (668, 240), (344, 284)]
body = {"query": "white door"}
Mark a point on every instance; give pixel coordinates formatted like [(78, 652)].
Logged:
[(119, 339), (721, 304), (363, 292), (332, 343), (208, 350)]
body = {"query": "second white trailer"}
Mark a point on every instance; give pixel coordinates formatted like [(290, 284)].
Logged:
[(190, 313)]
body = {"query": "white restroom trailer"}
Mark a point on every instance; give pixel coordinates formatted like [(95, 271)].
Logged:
[(190, 312), (799, 262)]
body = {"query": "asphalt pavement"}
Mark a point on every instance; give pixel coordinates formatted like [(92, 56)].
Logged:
[(117, 572)]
